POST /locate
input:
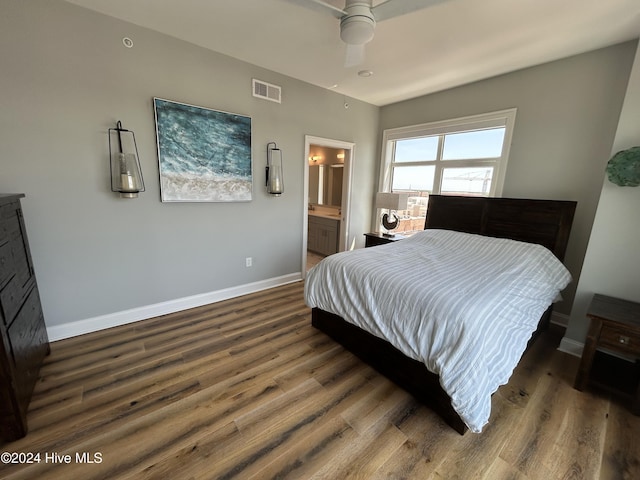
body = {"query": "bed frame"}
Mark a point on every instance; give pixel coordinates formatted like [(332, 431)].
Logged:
[(546, 222)]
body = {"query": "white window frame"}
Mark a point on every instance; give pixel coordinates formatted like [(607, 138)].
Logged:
[(502, 118)]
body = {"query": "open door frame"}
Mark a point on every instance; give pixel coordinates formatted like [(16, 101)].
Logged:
[(349, 152)]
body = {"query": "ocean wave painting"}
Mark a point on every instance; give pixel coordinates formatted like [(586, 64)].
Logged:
[(204, 155)]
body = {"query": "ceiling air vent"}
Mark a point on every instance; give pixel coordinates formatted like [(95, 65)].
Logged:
[(267, 91)]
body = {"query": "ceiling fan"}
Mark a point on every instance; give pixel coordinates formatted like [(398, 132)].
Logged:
[(358, 20)]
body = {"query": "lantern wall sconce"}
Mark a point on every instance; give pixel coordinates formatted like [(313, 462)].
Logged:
[(275, 181), (126, 175)]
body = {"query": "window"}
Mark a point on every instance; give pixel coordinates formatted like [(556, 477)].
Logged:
[(464, 156)]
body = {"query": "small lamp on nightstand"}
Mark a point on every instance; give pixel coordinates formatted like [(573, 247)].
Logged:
[(392, 202)]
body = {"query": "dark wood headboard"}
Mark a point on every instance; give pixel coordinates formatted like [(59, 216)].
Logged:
[(546, 222)]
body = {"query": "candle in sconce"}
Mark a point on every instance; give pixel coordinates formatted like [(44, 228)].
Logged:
[(129, 186), (128, 182), (276, 180)]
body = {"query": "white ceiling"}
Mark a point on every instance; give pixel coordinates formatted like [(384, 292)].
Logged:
[(448, 44)]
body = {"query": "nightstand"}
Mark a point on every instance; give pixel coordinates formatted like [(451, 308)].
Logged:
[(614, 328), (373, 239)]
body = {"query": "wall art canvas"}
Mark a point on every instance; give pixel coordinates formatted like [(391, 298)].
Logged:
[(204, 155)]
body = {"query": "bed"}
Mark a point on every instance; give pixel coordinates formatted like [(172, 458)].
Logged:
[(410, 350)]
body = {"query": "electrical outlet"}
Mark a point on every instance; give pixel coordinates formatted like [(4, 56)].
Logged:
[(248, 261)]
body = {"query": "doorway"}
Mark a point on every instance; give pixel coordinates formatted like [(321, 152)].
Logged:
[(327, 193)]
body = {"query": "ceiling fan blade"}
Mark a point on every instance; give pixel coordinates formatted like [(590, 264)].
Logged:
[(355, 55), (320, 6), (395, 8)]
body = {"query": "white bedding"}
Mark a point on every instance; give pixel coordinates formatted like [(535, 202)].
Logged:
[(465, 305)]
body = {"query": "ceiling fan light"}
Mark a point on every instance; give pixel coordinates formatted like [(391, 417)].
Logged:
[(357, 30)]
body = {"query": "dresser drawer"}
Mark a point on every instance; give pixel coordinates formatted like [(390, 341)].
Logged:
[(11, 299), (6, 262), (619, 339), (29, 345), (9, 224)]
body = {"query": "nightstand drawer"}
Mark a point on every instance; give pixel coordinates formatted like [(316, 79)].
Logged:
[(620, 339)]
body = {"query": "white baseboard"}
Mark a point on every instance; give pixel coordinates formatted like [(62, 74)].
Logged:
[(559, 319), (88, 325), (567, 345), (570, 346)]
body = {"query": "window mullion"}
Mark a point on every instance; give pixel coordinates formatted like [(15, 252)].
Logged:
[(414, 164), (437, 180), (386, 172), (469, 163)]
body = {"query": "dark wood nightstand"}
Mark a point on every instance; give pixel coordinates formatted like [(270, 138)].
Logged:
[(373, 239), (615, 328)]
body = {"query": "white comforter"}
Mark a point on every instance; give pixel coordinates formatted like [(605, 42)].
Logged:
[(465, 305)]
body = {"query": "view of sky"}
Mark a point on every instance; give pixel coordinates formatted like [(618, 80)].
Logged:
[(477, 144)]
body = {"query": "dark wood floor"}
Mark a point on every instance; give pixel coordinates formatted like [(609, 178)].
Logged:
[(247, 389)]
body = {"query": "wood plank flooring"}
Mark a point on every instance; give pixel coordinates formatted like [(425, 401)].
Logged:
[(247, 389)]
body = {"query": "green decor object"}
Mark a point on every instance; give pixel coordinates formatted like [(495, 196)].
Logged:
[(624, 168)]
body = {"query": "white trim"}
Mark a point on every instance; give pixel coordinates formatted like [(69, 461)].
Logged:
[(567, 345), (471, 122), (94, 324), (572, 347), (560, 319)]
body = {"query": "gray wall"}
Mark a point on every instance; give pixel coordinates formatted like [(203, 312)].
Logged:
[(566, 121), (612, 263), (65, 78)]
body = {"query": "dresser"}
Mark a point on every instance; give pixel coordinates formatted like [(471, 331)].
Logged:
[(24, 336)]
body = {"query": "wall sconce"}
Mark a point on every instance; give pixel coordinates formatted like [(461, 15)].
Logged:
[(315, 158), (275, 181), (126, 175), (392, 202), (340, 156)]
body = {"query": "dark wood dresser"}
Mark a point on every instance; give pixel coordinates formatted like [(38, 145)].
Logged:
[(24, 336)]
